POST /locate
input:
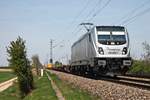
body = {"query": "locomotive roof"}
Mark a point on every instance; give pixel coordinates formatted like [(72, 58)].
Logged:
[(110, 28)]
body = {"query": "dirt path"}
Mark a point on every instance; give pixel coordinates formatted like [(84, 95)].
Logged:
[(7, 84), (57, 91), (5, 70)]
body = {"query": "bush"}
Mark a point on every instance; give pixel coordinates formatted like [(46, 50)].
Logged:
[(140, 67), (37, 64)]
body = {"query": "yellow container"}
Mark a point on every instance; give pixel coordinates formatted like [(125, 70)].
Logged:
[(49, 66)]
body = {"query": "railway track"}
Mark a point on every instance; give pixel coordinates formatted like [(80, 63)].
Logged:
[(138, 75), (136, 79), (108, 88), (138, 82), (142, 83)]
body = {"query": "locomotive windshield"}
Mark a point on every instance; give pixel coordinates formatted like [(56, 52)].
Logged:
[(114, 35), (112, 39)]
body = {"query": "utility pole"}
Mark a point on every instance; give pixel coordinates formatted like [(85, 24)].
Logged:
[(51, 51)]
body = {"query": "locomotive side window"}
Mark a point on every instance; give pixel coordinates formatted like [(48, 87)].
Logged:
[(89, 37)]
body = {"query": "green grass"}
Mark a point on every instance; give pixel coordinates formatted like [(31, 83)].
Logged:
[(43, 91), (4, 76), (139, 67), (70, 92), (11, 93)]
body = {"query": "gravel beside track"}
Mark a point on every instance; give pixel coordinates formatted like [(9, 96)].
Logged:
[(106, 90)]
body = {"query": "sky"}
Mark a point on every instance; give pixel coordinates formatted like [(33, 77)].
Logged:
[(39, 21)]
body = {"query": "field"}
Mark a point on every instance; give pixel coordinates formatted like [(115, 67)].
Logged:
[(4, 76)]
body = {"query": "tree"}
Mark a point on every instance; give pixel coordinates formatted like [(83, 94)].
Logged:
[(58, 64), (36, 64), (146, 54), (21, 66)]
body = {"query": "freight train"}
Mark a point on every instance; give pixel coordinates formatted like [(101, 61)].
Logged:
[(103, 50)]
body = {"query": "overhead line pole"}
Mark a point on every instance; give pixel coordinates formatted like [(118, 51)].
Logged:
[(52, 46), (51, 51)]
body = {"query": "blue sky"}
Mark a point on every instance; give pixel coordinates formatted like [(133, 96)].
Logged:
[(38, 21)]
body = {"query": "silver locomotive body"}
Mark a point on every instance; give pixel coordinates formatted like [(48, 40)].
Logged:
[(102, 50)]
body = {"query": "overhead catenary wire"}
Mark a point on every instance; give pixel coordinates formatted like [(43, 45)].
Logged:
[(77, 29), (78, 15), (58, 44), (99, 10), (82, 10), (74, 31), (90, 13), (132, 12), (96, 12), (126, 22), (98, 4), (75, 19)]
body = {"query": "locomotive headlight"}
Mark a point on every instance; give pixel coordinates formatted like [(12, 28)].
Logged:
[(100, 50), (124, 51)]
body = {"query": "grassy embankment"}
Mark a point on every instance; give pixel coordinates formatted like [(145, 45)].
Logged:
[(71, 92), (140, 67), (4, 76), (43, 91)]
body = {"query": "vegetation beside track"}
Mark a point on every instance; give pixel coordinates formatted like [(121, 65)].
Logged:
[(69, 91), (43, 91), (140, 67), (4, 76)]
